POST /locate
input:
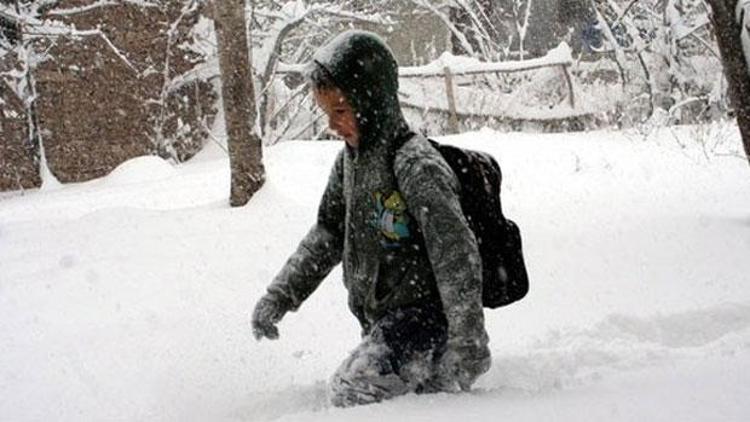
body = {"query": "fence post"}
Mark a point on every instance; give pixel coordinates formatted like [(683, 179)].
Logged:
[(571, 97), (453, 118)]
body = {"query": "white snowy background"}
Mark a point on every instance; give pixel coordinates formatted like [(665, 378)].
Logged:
[(129, 297)]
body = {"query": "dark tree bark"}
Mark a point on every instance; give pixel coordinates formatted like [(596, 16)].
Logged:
[(244, 144), (728, 33)]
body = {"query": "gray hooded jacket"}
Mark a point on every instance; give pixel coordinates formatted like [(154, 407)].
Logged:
[(390, 211)]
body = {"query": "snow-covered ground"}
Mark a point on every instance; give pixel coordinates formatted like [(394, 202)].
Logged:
[(128, 298)]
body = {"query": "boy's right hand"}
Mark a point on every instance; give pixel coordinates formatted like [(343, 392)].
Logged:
[(268, 311)]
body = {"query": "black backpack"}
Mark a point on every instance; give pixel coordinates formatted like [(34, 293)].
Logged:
[(504, 277)]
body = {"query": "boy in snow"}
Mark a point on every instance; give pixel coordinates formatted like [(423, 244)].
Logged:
[(391, 215)]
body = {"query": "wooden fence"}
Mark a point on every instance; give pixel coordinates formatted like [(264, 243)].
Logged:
[(449, 74), (559, 57)]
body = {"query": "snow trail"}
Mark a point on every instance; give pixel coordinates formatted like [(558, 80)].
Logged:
[(129, 298)]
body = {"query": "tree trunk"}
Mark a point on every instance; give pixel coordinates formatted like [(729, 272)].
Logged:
[(735, 66), (238, 98)]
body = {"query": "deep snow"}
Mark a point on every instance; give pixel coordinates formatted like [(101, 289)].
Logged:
[(128, 298)]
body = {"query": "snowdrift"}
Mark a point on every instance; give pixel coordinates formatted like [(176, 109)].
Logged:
[(128, 297)]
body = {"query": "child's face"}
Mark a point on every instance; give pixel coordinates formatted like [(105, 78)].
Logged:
[(341, 117)]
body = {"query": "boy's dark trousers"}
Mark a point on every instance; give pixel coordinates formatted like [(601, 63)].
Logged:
[(400, 354)]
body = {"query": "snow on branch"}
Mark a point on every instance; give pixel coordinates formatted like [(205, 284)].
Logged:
[(682, 31), (465, 44), (294, 14), (101, 3), (9, 13), (203, 71), (47, 29)]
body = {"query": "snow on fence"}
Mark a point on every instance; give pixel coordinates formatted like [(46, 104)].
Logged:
[(449, 67)]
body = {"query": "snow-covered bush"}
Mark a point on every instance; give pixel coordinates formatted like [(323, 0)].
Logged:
[(666, 57)]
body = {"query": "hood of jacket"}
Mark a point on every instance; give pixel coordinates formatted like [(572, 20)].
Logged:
[(366, 71)]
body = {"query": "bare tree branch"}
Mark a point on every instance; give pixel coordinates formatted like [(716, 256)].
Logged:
[(100, 3), (166, 82), (64, 31), (465, 44)]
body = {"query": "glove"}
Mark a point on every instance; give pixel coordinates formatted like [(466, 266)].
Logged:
[(464, 361), (268, 312)]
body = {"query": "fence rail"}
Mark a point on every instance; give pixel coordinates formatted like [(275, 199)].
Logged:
[(559, 57)]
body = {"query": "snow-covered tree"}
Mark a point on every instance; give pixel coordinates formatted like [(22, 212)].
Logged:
[(665, 54)]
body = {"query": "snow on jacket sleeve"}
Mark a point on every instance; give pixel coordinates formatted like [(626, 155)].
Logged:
[(319, 251), (431, 191)]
